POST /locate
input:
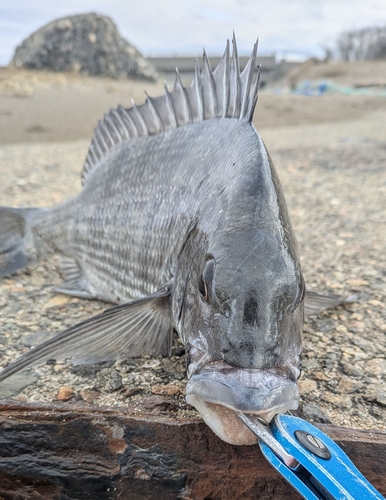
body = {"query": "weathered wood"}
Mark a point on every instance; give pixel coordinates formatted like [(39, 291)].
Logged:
[(81, 452)]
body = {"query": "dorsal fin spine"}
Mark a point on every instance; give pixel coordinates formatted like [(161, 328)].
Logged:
[(188, 116), (170, 106), (136, 114), (106, 130), (122, 125), (99, 134), (127, 118), (112, 121), (221, 79), (246, 80), (219, 93), (209, 89), (154, 112)]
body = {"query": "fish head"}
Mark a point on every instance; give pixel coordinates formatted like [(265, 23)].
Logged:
[(241, 321)]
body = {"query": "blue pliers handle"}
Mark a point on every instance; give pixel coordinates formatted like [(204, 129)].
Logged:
[(310, 461)]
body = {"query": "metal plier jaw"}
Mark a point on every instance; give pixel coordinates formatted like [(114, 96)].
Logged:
[(309, 460)]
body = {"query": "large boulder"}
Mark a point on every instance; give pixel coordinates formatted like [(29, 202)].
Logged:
[(85, 43)]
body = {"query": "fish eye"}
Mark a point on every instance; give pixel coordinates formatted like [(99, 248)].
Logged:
[(206, 279)]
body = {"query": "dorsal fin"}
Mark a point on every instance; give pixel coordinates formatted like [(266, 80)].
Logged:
[(223, 92)]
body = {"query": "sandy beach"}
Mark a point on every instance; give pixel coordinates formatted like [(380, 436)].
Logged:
[(330, 153)]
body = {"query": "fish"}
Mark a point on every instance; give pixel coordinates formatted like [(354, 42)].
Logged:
[(182, 223)]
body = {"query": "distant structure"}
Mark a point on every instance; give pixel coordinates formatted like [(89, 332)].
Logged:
[(85, 43)]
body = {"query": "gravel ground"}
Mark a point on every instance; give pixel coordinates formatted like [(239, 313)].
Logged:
[(336, 197)]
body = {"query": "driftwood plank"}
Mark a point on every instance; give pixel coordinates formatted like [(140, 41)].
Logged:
[(71, 452)]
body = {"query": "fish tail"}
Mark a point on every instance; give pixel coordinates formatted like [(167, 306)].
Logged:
[(17, 246)]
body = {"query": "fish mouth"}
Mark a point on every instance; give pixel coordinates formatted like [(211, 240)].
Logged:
[(218, 391)]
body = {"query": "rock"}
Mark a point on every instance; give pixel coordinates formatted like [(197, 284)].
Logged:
[(89, 395), (351, 370), (3, 302), (13, 385), (57, 301), (36, 338), (321, 376), (85, 43), (347, 386), (376, 366), (314, 413), (115, 380), (65, 393), (340, 401), (376, 394), (355, 283), (169, 390), (131, 391), (306, 386)]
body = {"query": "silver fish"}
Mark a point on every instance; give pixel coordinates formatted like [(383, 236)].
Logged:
[(183, 221)]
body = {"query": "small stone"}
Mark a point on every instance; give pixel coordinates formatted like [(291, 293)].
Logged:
[(376, 394), (169, 390), (65, 393), (15, 384), (132, 391), (89, 395), (313, 412), (356, 326), (306, 386), (376, 303), (357, 282), (3, 302), (340, 401), (36, 338), (347, 386), (115, 380), (321, 376), (376, 366), (57, 301), (351, 370)]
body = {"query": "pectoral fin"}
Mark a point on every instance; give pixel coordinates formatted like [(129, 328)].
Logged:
[(140, 327), (315, 302)]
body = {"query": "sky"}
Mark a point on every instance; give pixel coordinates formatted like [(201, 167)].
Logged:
[(184, 27)]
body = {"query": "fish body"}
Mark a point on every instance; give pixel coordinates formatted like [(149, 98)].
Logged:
[(181, 221)]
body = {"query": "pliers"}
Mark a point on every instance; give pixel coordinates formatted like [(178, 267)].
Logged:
[(309, 460)]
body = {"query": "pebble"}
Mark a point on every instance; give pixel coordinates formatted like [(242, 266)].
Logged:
[(376, 366), (306, 386), (169, 390), (89, 395), (340, 401), (351, 370), (312, 412), (65, 393), (376, 394), (12, 386), (347, 386), (36, 338), (57, 301)]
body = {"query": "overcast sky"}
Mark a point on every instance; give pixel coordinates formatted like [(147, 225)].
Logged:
[(184, 26)]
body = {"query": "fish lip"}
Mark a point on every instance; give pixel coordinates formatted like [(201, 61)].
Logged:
[(252, 391)]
